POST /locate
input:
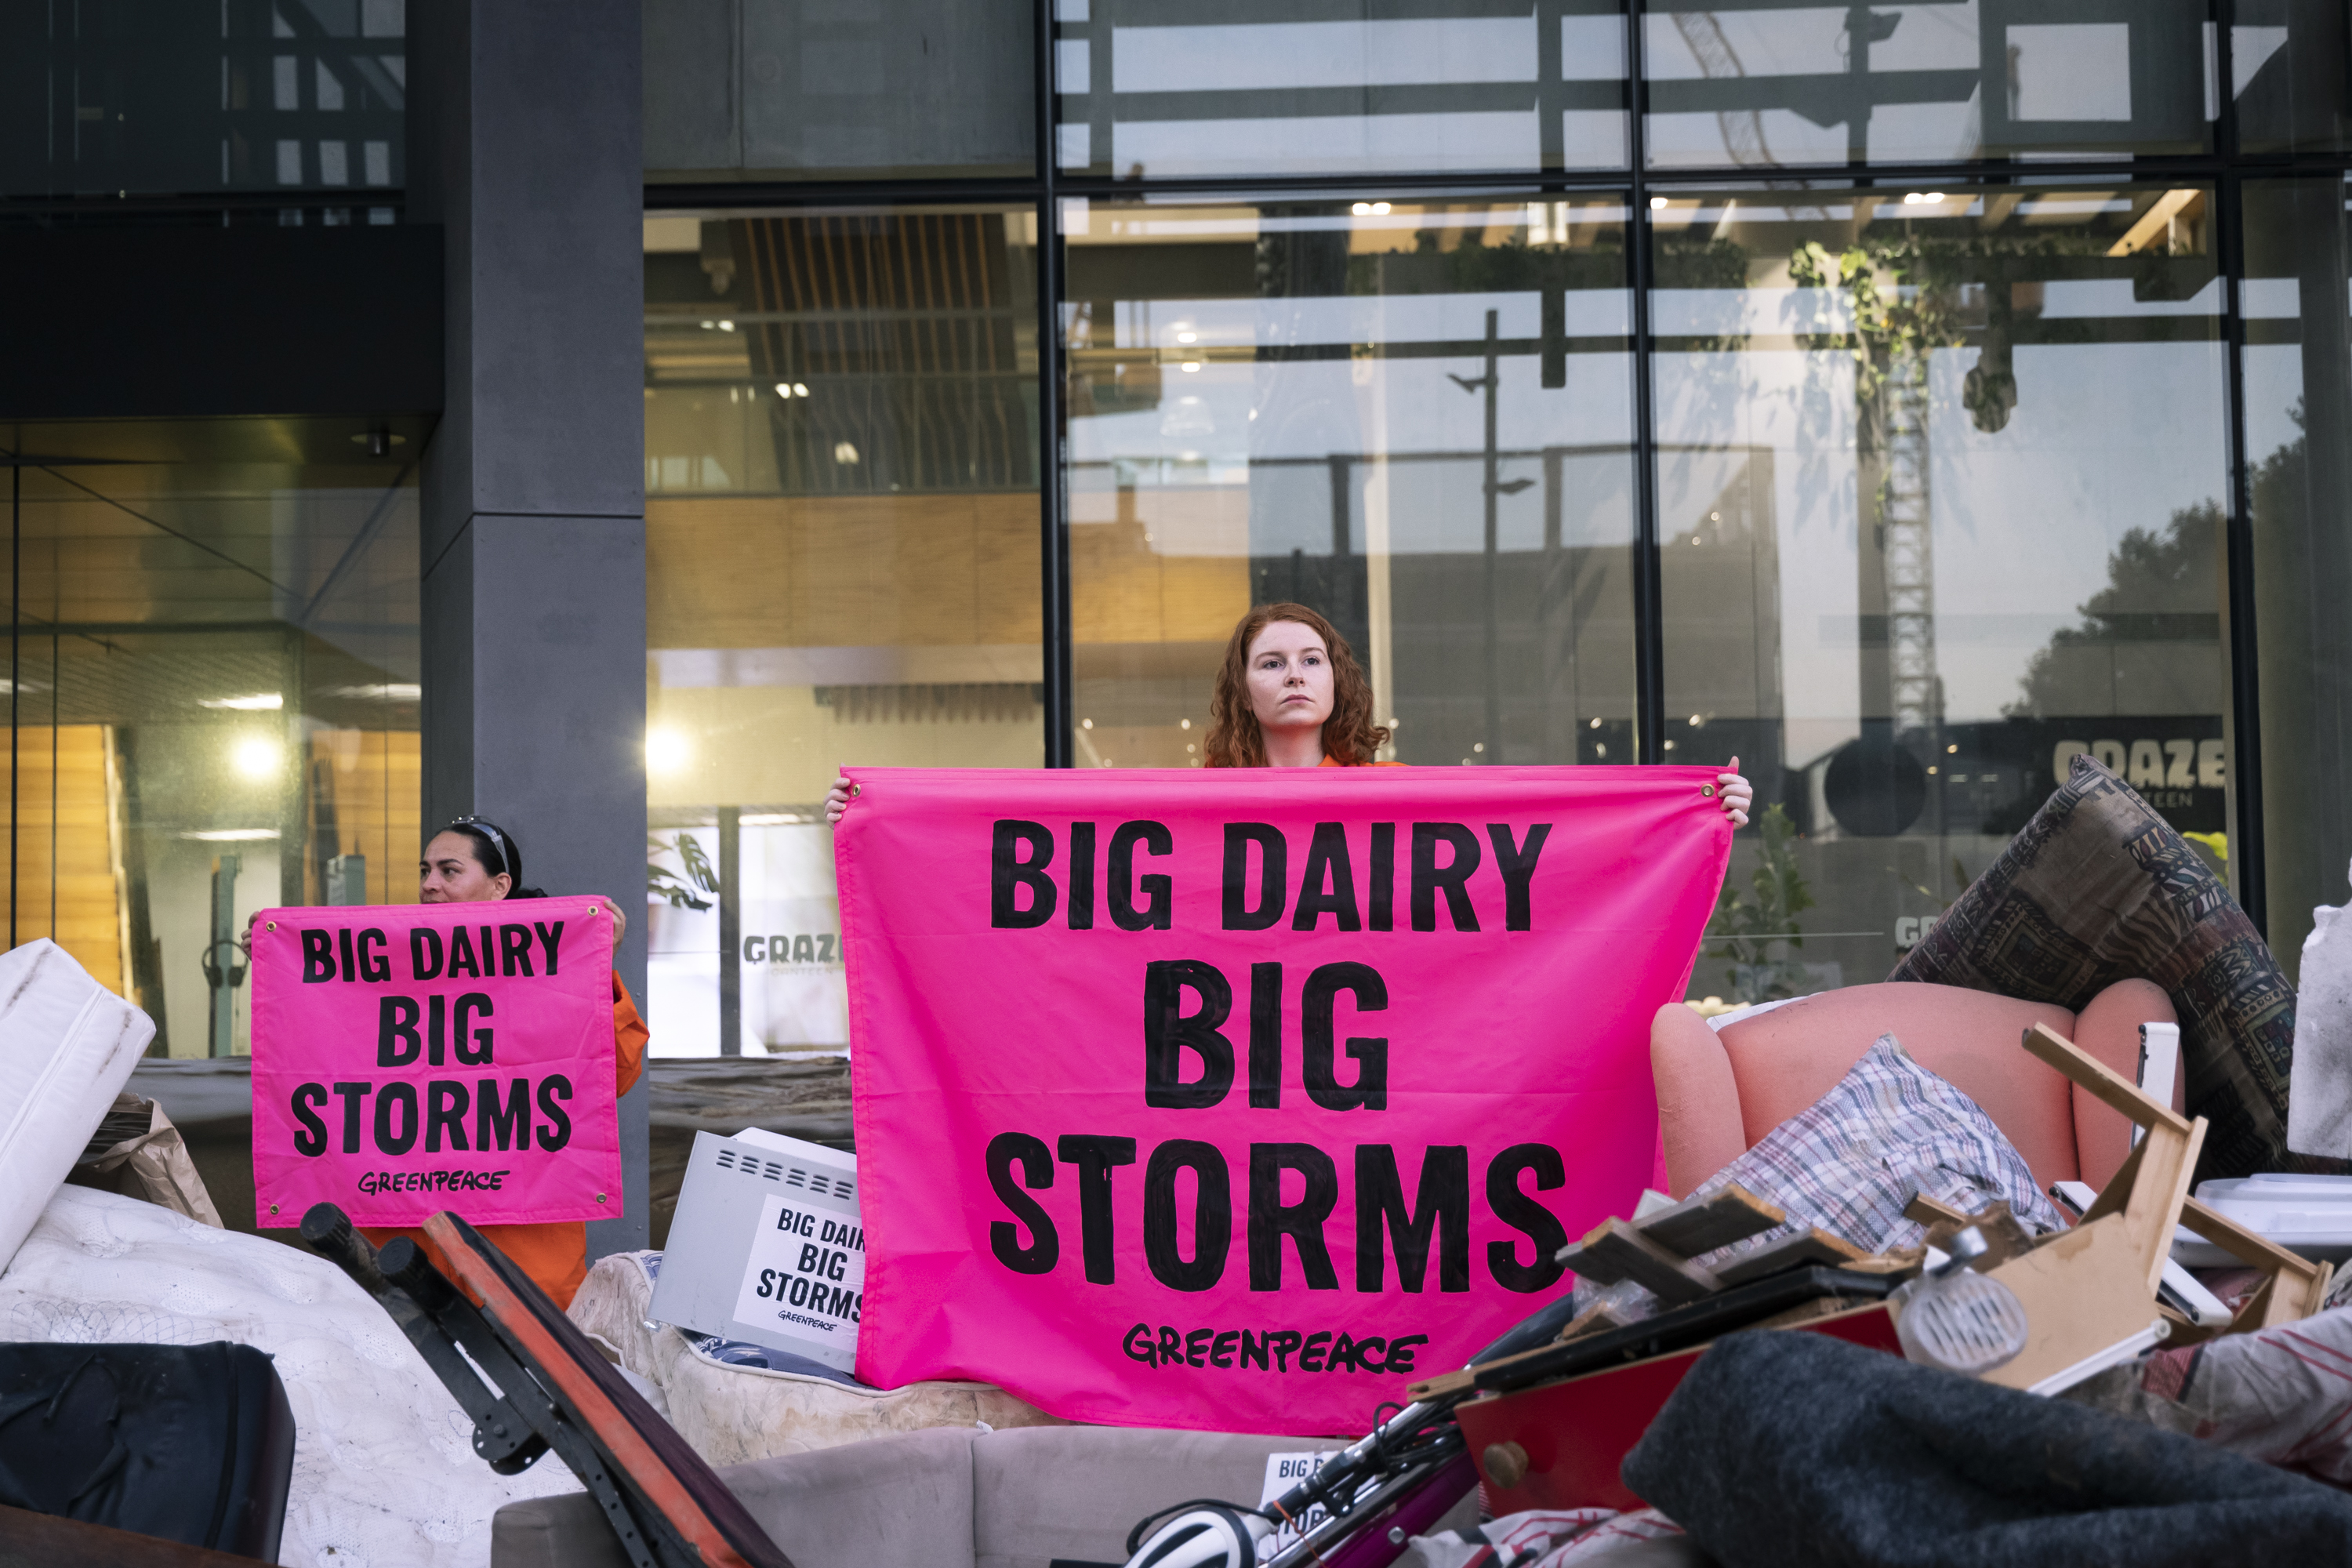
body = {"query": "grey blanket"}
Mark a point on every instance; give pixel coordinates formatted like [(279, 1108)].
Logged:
[(1791, 1451)]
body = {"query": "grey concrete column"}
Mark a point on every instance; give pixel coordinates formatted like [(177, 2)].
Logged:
[(525, 147)]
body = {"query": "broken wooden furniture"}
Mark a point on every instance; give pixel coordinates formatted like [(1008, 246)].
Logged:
[(1554, 1422)]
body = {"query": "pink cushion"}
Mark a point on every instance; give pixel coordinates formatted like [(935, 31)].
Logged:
[(1719, 1093)]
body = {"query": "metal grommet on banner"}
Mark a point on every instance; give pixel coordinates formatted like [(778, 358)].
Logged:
[(273, 925), (600, 1197), (857, 790), (1708, 790), (273, 1209)]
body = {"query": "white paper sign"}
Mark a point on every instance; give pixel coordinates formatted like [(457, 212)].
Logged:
[(806, 1277), (1283, 1471)]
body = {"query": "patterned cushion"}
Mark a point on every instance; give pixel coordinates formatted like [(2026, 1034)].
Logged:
[(2098, 888), (1851, 1162)]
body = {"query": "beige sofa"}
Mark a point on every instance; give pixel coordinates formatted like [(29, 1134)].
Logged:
[(951, 1496)]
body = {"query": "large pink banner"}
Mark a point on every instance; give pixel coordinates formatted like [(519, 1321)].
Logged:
[(411, 1059), (1241, 1100)]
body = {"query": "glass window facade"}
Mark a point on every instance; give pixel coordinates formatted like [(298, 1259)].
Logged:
[(827, 89), (1901, 400), (300, 98), (214, 695), (1414, 415), (841, 566)]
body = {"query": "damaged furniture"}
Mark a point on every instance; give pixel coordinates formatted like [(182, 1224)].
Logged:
[(2088, 1293), (1720, 1091), (2098, 888), (946, 1497), (1786, 1450), (734, 1413)]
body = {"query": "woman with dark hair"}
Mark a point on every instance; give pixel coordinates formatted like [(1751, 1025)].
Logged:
[(474, 861)]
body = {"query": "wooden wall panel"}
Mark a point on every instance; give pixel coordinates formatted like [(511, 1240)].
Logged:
[(79, 866), (932, 570)]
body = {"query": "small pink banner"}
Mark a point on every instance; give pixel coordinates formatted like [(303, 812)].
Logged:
[(1242, 1101), (411, 1059)]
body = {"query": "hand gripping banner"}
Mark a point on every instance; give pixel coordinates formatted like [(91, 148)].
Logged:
[(1240, 1100), (411, 1059)]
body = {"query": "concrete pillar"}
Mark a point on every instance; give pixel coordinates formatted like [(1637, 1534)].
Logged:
[(525, 148)]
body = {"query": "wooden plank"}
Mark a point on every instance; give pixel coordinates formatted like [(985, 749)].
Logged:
[(1615, 1251), (44, 1541), (2168, 1160), (2103, 1082), (2004, 1236), (2119, 1186), (2083, 1290), (1807, 1247), (1925, 1210), (2296, 1285), (2250, 1248), (1703, 1224)]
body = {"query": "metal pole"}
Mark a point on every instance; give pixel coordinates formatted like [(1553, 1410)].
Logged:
[(1054, 535), (15, 670), (1493, 610), (730, 930), (1649, 610)]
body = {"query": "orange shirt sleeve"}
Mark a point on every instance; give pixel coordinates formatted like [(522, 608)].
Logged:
[(630, 1038)]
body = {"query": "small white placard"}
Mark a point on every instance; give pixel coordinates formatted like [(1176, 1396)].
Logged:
[(807, 1278), (1283, 1471)]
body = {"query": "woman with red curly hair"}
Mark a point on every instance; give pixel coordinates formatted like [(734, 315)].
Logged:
[(1289, 694)]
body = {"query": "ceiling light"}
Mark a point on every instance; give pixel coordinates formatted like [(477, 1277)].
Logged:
[(255, 757), (1696, 722), (726, 326), (1594, 725), (1657, 204), (800, 389), (258, 702), (1188, 337), (845, 453), (667, 752), (1191, 366), (231, 835), (784, 389)]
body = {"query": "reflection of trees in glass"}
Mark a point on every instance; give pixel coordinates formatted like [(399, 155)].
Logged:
[(1474, 266), (1746, 929), (2162, 585)]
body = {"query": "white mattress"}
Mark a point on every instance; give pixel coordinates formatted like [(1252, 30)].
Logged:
[(67, 1047)]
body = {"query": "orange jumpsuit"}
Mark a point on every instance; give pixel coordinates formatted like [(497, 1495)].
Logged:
[(556, 1256)]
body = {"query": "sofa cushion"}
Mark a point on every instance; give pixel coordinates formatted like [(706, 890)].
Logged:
[(66, 1047), (902, 1501), (2098, 887), (733, 1414), (1044, 1493), (948, 1497)]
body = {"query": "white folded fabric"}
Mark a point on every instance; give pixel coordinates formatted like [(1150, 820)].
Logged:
[(67, 1047)]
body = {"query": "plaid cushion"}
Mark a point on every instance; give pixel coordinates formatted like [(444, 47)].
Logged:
[(2098, 887), (1849, 1163)]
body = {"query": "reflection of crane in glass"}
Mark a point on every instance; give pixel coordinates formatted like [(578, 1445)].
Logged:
[(1909, 556), (1743, 129)]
